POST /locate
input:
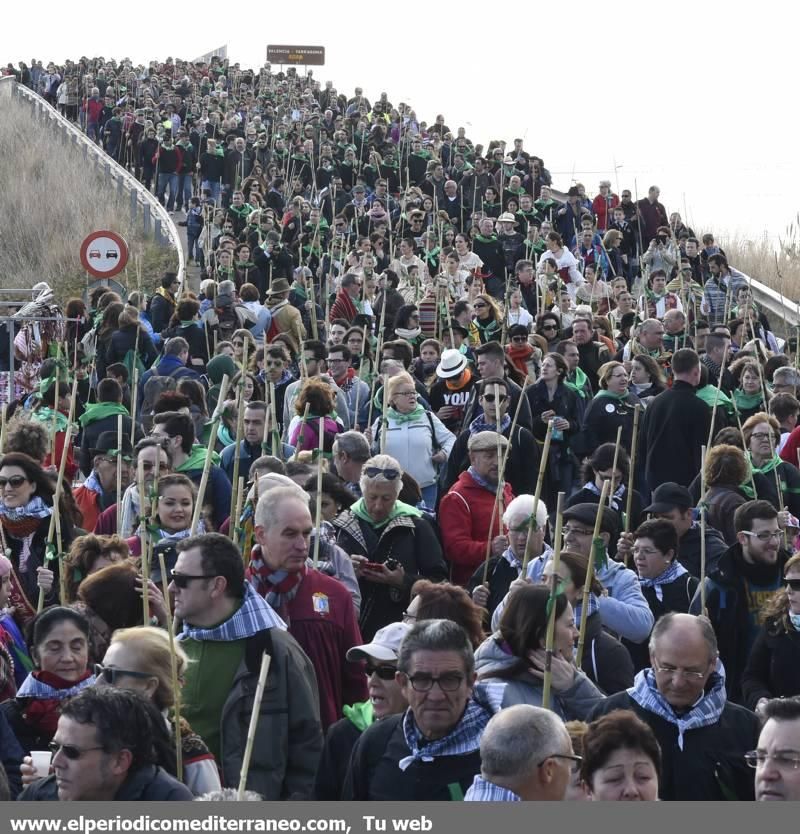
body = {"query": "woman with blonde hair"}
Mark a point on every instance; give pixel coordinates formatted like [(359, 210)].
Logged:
[(488, 322), (140, 659)]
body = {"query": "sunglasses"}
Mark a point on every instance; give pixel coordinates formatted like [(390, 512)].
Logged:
[(69, 750), (490, 398), (385, 673), (389, 474), (182, 580), (110, 674), (15, 481), (793, 584)]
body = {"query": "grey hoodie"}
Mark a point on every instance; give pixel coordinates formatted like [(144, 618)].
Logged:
[(495, 694)]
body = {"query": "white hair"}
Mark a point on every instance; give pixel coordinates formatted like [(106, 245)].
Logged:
[(269, 504), (522, 507), (381, 462)]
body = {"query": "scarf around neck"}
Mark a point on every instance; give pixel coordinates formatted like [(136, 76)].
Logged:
[(705, 711), (398, 417), (480, 424), (616, 498), (579, 386), (252, 616), (744, 402), (603, 392), (408, 335), (99, 411), (399, 510), (464, 738), (40, 684), (673, 572), (482, 482)]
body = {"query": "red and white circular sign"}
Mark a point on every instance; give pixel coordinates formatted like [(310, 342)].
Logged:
[(104, 254)]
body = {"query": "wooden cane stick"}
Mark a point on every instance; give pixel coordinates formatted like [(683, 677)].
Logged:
[(251, 732), (119, 471), (318, 516), (551, 620), (174, 668), (198, 507), (237, 455), (144, 534), (632, 471), (616, 460), (539, 481), (598, 520), (273, 408)]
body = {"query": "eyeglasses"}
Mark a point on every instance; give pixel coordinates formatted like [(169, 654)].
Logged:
[(674, 671), (275, 364), (15, 481), (578, 531), (793, 584), (479, 306), (182, 580), (490, 397), (389, 474), (519, 339), (405, 393), (764, 535), (576, 760), (761, 435), (385, 673), (549, 327), (110, 673), (757, 758), (449, 682), (238, 344), (70, 751)]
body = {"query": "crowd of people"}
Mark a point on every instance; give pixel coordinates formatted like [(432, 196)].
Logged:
[(505, 485)]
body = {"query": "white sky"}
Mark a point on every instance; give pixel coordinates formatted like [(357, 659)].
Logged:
[(699, 98)]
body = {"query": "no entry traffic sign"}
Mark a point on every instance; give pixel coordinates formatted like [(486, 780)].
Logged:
[(104, 254)]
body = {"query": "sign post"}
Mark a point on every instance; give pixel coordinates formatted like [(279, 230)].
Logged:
[(104, 254), (313, 56)]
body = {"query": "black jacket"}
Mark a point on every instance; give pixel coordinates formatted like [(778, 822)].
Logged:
[(92, 432), (600, 422), (160, 310), (674, 430), (374, 773), (593, 356), (410, 541), (521, 468), (711, 765), (472, 409), (727, 601), (124, 340), (605, 660), (340, 740), (499, 577), (689, 549), (773, 668), (148, 784), (676, 596), (199, 343)]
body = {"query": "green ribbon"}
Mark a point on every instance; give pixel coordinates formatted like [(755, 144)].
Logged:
[(600, 555), (554, 594)]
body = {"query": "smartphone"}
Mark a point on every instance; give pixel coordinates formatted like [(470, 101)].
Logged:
[(371, 565), (392, 564)]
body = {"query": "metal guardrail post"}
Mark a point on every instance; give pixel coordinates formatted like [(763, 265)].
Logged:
[(134, 205), (146, 218)]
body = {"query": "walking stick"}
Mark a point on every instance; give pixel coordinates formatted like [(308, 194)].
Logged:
[(632, 471), (251, 732), (144, 534), (590, 574), (703, 532), (198, 507), (238, 448), (119, 471), (717, 396), (539, 481), (277, 448), (616, 459), (318, 516), (551, 606), (174, 668)]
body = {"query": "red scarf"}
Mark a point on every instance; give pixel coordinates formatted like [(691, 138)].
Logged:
[(43, 713), (277, 594), (519, 356)]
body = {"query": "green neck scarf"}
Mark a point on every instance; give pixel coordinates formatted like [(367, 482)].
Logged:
[(359, 510), (397, 417), (747, 401), (579, 386), (99, 411), (197, 459), (45, 415), (770, 466), (482, 239), (611, 395)]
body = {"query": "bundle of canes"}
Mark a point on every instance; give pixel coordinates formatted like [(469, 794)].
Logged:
[(590, 572), (251, 731), (551, 605), (174, 668), (198, 507), (537, 493)]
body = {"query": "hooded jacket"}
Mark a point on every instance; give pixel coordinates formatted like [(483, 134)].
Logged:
[(496, 693)]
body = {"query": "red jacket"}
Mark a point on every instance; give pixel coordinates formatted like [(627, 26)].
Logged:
[(602, 207), (343, 308), (322, 619), (464, 516)]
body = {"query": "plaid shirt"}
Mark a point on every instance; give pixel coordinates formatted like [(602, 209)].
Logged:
[(482, 791)]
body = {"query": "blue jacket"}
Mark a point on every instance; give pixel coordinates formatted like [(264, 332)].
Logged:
[(12, 754), (168, 366)]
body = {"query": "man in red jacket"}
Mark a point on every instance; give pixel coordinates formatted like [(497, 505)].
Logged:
[(317, 608), (465, 513), (346, 305)]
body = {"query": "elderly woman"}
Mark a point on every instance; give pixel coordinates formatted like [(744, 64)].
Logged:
[(613, 406), (771, 475), (510, 663), (445, 601), (415, 437), (726, 469), (773, 669), (88, 555), (621, 759), (391, 544)]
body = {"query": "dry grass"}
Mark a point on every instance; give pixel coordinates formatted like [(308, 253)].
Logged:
[(50, 199)]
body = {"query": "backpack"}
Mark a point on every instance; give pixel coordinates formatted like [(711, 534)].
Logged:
[(133, 362), (306, 436)]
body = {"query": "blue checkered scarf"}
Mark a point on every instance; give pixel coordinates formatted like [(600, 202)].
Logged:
[(480, 424), (673, 572), (33, 688), (464, 738), (593, 608), (482, 482), (93, 483), (482, 791), (706, 710), (35, 508), (616, 498), (254, 615)]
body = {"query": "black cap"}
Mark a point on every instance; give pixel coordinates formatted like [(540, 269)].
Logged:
[(670, 496), (108, 441), (586, 514)]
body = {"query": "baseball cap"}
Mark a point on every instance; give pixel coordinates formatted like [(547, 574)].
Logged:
[(385, 644)]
